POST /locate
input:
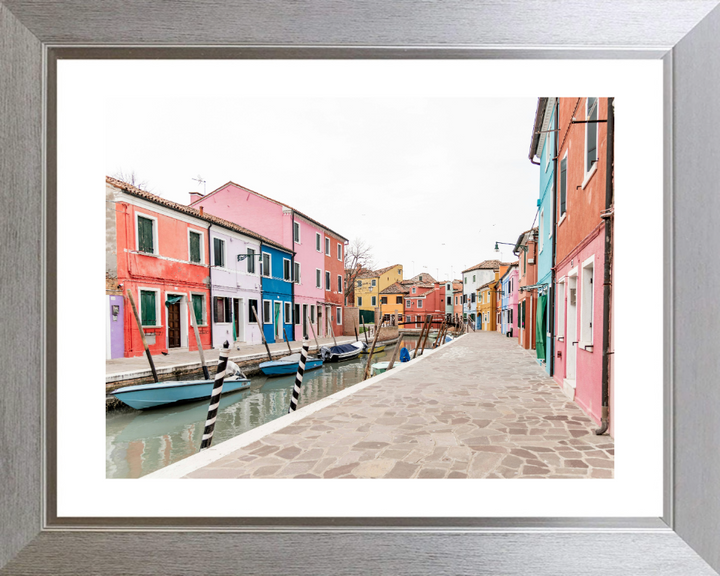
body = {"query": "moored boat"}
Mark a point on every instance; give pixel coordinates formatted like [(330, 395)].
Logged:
[(342, 352), (377, 349), (289, 365), (145, 396)]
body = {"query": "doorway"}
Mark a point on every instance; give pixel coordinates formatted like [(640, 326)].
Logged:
[(277, 322), (304, 319), (174, 325), (238, 320), (572, 340)]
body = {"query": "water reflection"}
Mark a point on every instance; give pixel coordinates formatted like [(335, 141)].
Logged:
[(140, 442)]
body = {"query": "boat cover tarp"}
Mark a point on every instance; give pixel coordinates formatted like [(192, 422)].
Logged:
[(328, 351)]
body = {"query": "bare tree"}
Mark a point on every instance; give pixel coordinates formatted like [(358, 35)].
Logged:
[(358, 259), (131, 177)]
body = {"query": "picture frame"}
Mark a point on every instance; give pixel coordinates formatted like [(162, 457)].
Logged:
[(33, 36)]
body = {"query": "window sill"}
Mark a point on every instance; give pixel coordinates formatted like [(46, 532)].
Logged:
[(589, 174), (152, 327), (562, 219), (561, 338), (587, 346)]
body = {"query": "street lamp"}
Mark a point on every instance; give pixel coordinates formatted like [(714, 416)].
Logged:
[(522, 247)]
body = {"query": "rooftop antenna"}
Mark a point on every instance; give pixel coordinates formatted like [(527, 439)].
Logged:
[(200, 180)]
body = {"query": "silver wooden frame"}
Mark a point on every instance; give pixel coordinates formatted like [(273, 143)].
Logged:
[(684, 33)]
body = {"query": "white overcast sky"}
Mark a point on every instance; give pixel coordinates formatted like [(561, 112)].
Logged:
[(430, 183)]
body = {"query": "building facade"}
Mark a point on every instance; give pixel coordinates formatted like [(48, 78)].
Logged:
[(583, 196), (543, 145), (276, 309), (472, 279), (392, 303), (509, 300), (525, 248)]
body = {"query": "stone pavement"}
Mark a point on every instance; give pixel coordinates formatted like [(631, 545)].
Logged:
[(480, 407)]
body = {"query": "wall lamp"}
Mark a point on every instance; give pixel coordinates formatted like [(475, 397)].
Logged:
[(522, 247)]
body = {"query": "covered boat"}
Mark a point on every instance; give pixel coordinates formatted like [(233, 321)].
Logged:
[(342, 352), (379, 348), (289, 365), (145, 396)]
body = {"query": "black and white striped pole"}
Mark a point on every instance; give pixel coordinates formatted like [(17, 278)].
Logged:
[(299, 376), (215, 397)]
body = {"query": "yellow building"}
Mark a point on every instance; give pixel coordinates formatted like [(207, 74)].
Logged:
[(392, 302), (368, 286), (487, 301)]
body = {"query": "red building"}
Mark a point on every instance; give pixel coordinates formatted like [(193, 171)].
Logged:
[(425, 296), (583, 246), (162, 258)]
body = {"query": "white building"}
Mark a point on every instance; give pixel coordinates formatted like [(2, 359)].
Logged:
[(472, 279)]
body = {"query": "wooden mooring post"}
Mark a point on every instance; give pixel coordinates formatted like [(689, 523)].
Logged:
[(262, 331), (142, 335), (372, 350), (426, 323), (193, 321), (396, 353), (317, 344), (215, 397), (287, 341), (299, 376)]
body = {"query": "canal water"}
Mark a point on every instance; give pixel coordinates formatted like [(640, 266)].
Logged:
[(141, 441)]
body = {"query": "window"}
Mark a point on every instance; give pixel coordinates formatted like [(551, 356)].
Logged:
[(398, 299), (449, 300), (296, 232), (591, 133), (383, 299), (373, 283), (148, 308), (312, 313), (198, 303), (472, 297), (266, 313), (266, 267), (318, 278), (563, 185), (340, 283), (400, 318), (359, 283), (465, 279), (419, 303), (586, 310), (359, 300), (327, 246), (250, 261), (296, 316), (414, 290), (288, 318), (194, 247), (338, 314), (223, 309), (297, 272), (287, 270), (327, 280), (219, 252), (457, 301), (464, 298), (373, 301), (408, 303), (473, 278), (339, 251), (146, 235), (318, 241), (252, 311), (420, 277), (560, 330)]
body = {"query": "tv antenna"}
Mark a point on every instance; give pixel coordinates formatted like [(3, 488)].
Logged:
[(200, 180)]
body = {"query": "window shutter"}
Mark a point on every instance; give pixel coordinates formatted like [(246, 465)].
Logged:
[(591, 132), (194, 247), (198, 306), (563, 185), (145, 235), (147, 304)]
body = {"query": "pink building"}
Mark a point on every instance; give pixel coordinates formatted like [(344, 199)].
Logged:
[(313, 305)]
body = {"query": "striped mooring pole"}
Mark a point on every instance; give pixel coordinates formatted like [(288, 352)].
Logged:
[(215, 397), (299, 376)]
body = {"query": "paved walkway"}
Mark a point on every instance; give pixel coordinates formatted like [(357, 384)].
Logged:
[(480, 407)]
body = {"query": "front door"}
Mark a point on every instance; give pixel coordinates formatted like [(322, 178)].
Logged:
[(237, 320), (304, 318), (277, 322), (319, 320), (571, 328), (174, 325)]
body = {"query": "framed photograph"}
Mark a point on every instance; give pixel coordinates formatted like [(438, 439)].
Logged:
[(41, 446)]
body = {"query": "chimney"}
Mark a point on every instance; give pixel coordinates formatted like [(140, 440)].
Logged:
[(202, 212), (194, 197)]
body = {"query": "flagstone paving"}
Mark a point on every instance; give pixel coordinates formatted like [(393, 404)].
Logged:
[(481, 407)]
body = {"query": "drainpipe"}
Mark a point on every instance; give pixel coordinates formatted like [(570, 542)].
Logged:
[(211, 311), (607, 215), (292, 284)]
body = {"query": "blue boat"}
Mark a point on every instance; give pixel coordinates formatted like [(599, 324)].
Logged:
[(289, 365), (145, 396)]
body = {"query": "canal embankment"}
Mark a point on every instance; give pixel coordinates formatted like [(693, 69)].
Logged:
[(185, 365)]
